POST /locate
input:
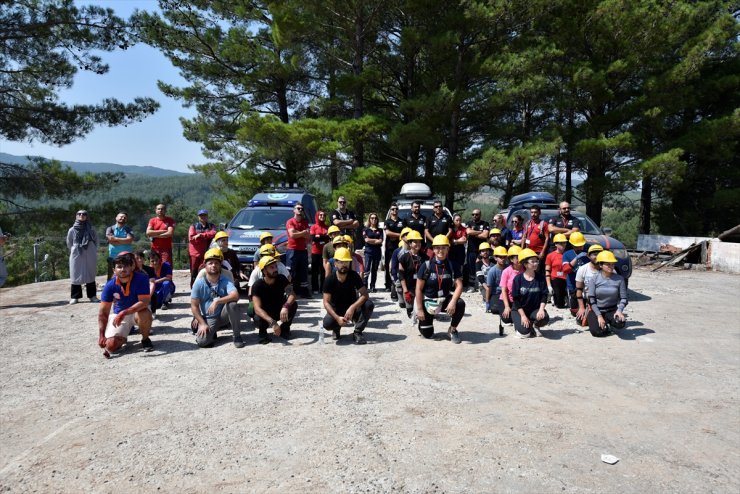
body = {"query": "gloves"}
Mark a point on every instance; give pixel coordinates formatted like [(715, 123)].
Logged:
[(408, 297)]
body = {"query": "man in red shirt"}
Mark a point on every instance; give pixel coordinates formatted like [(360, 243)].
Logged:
[(160, 229), (297, 253), (536, 235), (200, 236)]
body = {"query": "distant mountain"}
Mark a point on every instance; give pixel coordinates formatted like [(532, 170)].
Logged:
[(149, 171)]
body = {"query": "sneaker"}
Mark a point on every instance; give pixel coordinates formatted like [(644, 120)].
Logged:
[(165, 306), (73, 301), (455, 337), (519, 335), (146, 344), (335, 334), (238, 342), (94, 300), (264, 340), (373, 290), (402, 304), (359, 339)]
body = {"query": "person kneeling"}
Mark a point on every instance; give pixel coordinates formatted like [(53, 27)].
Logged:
[(128, 293), (529, 291), (438, 288), (607, 294), (273, 300), (210, 296), (346, 299)]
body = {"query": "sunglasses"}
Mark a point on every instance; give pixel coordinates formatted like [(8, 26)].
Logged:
[(299, 209), (81, 214), (394, 209), (515, 221), (342, 202), (476, 214), (437, 206)]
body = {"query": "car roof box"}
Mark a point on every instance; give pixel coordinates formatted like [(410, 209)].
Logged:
[(415, 189), (532, 198)]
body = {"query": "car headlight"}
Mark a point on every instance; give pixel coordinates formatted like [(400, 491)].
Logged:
[(619, 253)]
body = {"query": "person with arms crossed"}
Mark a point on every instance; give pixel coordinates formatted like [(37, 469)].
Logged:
[(393, 227), (297, 253), (200, 236), (160, 229)]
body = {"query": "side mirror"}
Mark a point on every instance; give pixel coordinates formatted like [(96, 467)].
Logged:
[(607, 230)]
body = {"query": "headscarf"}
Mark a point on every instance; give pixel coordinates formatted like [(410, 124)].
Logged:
[(83, 230)]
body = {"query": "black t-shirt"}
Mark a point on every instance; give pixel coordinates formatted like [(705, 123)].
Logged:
[(442, 276), (347, 215), (438, 226), (343, 294), (395, 227), (411, 264), (473, 242), (528, 295), (272, 297), (569, 222), (417, 224)]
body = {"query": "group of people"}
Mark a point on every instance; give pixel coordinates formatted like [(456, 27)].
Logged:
[(429, 262)]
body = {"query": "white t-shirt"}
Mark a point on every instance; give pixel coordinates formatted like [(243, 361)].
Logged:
[(585, 274)]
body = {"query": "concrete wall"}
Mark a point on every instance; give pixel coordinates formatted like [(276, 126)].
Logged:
[(725, 256), (652, 243)]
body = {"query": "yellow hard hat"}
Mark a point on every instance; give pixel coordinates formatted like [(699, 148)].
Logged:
[(577, 239), (339, 239), (214, 253), (348, 239), (526, 254), (266, 261), (221, 235), (560, 238), (333, 229), (413, 235), (265, 235), (595, 248), (406, 230), (342, 254), (484, 246), (606, 256), (500, 251), (514, 250), (440, 240), (267, 250), (494, 231)]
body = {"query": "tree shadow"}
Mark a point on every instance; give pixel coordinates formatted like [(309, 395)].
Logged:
[(634, 296), (38, 305)]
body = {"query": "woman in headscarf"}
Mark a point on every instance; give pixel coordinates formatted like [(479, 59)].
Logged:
[(82, 242), (319, 238)]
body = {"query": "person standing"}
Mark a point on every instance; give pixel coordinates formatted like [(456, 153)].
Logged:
[(529, 291), (537, 235), (393, 227), (607, 295), (458, 239), (517, 231), (319, 238), (477, 231), (417, 221), (437, 224), (554, 273), (200, 236), (438, 289), (273, 300), (297, 253), (120, 237), (564, 223), (82, 242), (160, 229), (344, 218), (346, 299), (373, 244), (213, 303), (128, 294), (499, 221)]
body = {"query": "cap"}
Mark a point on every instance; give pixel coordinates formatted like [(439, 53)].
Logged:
[(202, 211)]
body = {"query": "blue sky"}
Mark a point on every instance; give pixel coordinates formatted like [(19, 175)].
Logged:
[(156, 141)]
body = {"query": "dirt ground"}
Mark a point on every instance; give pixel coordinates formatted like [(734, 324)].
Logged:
[(401, 414)]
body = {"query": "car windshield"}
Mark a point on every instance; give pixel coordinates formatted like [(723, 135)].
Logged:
[(587, 227), (261, 219)]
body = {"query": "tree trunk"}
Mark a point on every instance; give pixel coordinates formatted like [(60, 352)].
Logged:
[(357, 68), (595, 186), (646, 204)]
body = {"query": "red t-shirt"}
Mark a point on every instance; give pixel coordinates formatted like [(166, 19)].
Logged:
[(317, 246), (298, 225), (555, 260), (157, 224), (531, 235)]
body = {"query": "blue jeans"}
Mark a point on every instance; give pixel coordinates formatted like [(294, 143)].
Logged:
[(298, 265)]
